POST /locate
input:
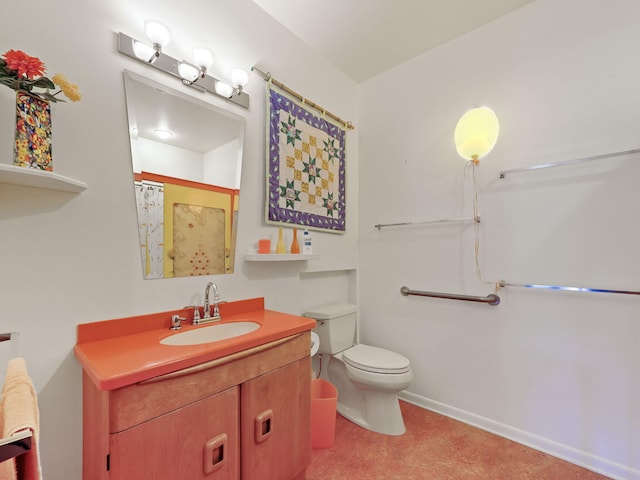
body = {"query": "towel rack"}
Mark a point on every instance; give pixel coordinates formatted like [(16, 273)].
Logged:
[(567, 289), (15, 445), (491, 299), (503, 173), (427, 222), (20, 442)]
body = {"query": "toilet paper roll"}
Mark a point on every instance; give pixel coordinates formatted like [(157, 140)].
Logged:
[(315, 343)]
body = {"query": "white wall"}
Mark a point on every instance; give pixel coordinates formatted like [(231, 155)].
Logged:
[(221, 165), (557, 370), (163, 159), (68, 259)]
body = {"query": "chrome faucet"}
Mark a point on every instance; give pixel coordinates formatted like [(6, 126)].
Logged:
[(207, 305)]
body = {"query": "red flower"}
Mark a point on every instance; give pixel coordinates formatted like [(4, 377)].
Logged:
[(26, 66)]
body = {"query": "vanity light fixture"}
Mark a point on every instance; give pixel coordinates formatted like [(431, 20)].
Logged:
[(192, 73), (203, 58), (239, 78), (476, 133), (189, 73), (224, 89), (159, 34)]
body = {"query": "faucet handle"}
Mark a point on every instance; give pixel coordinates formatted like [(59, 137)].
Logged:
[(196, 311), (216, 310), (176, 322)]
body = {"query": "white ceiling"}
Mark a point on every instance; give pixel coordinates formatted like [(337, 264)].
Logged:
[(366, 37)]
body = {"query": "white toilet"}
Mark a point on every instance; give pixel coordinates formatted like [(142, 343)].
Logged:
[(368, 379)]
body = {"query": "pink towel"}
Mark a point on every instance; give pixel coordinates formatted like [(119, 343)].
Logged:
[(19, 411)]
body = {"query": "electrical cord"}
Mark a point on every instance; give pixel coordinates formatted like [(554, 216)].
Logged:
[(476, 226)]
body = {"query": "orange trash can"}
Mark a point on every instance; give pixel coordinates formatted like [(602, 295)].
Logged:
[(324, 399)]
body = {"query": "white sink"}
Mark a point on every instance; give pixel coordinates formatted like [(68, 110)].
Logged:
[(212, 333)]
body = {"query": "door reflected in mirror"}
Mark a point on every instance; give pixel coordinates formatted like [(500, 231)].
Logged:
[(187, 159)]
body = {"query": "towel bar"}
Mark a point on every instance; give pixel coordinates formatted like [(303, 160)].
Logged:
[(15, 445), (428, 222), (568, 289), (503, 173)]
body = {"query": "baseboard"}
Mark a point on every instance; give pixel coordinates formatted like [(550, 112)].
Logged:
[(564, 452)]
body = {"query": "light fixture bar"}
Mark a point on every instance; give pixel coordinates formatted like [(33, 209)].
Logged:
[(169, 65), (503, 173)]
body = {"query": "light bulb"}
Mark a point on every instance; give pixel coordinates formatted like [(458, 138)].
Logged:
[(157, 32), (223, 89), (476, 133), (202, 57), (239, 77), (163, 134), (143, 51), (188, 72)]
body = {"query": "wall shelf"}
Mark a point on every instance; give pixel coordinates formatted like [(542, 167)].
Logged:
[(30, 177), (278, 257)]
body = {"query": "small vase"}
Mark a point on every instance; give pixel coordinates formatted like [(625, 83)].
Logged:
[(32, 147), (295, 246), (280, 248)]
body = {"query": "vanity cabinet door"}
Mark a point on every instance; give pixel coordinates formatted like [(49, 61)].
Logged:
[(276, 423), (197, 441)]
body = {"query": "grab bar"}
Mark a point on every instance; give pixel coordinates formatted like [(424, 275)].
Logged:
[(491, 299)]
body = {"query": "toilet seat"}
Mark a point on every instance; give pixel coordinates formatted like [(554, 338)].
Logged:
[(376, 360)]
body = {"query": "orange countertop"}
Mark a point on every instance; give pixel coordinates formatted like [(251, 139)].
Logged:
[(117, 353)]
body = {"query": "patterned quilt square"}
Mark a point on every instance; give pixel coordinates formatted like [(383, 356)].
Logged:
[(305, 165)]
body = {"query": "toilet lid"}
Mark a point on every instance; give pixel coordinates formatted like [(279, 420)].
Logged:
[(374, 359)]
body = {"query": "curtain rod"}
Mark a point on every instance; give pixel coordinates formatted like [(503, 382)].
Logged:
[(267, 76)]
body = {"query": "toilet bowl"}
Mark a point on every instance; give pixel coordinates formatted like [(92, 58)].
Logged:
[(367, 378)]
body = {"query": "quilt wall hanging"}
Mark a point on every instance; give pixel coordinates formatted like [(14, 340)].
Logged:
[(305, 165)]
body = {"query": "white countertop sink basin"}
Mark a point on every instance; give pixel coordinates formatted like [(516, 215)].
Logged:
[(211, 333)]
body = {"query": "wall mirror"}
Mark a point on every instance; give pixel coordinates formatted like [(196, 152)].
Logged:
[(187, 159)]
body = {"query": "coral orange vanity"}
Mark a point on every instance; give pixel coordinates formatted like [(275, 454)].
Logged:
[(229, 409)]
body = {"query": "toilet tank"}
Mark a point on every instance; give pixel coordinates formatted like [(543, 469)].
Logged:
[(336, 326)]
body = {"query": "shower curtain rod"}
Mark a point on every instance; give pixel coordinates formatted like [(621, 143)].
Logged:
[(267, 77), (503, 173), (491, 299), (567, 289)]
